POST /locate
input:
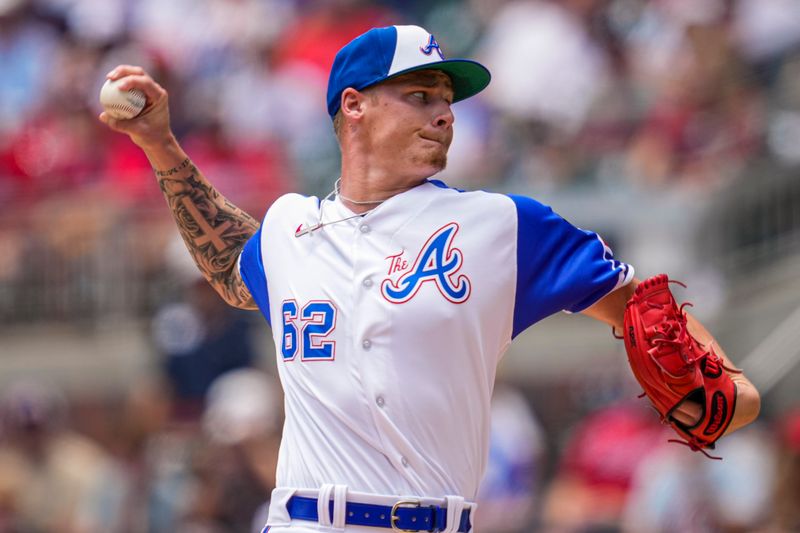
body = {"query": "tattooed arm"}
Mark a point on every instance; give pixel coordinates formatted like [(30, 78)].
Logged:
[(214, 230)]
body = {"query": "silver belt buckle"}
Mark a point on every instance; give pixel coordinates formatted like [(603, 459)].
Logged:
[(402, 504)]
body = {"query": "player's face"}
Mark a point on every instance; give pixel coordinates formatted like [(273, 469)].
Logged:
[(410, 123)]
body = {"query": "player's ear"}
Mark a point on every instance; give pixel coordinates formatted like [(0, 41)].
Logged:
[(352, 103)]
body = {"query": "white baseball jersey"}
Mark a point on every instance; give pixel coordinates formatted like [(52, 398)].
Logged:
[(389, 327)]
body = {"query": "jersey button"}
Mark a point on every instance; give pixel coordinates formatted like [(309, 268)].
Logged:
[(380, 401), (404, 461), (364, 228), (367, 344), (367, 282)]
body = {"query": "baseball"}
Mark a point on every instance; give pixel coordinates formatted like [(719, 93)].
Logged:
[(121, 104)]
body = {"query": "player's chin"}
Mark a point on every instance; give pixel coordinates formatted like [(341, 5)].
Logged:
[(434, 165), (429, 162), (436, 160)]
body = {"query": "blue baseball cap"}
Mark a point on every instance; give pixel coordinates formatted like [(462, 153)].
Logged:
[(383, 53)]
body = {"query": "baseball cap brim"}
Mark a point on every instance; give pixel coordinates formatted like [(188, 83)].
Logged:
[(469, 77)]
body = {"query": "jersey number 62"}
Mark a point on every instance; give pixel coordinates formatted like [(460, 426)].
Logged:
[(305, 331)]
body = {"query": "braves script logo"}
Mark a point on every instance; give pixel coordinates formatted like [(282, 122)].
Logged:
[(437, 262), (428, 49)]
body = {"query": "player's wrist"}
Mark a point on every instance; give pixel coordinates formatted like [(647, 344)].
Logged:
[(177, 169), (166, 156), (157, 144)]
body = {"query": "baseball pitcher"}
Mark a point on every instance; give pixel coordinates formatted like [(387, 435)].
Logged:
[(392, 299)]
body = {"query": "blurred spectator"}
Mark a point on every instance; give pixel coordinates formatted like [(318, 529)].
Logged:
[(706, 117), (596, 468), (786, 512), (242, 405), (509, 492), (28, 47), (785, 120), (196, 38), (675, 490), (148, 489), (235, 470), (766, 29), (562, 71), (323, 27), (48, 473), (199, 336), (545, 98)]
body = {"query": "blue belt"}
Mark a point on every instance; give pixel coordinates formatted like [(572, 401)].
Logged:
[(403, 516)]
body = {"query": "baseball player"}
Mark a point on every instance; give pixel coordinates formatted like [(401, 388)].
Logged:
[(392, 299)]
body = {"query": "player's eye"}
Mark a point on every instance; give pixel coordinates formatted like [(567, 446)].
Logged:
[(420, 95)]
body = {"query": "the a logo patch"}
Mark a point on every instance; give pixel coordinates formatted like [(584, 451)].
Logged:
[(438, 263), (429, 48)]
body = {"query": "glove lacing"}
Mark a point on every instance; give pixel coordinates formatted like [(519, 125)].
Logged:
[(695, 445)]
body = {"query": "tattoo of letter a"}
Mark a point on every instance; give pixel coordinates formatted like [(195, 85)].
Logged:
[(214, 230)]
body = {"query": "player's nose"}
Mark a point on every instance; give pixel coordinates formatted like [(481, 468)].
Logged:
[(444, 117)]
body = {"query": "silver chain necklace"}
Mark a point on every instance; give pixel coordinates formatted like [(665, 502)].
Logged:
[(335, 192), (337, 187)]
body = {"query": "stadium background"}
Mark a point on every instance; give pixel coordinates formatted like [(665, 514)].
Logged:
[(671, 127)]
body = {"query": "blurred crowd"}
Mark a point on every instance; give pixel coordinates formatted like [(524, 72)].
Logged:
[(641, 95)]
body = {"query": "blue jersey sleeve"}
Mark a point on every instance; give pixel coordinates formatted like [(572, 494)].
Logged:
[(251, 266), (559, 267)]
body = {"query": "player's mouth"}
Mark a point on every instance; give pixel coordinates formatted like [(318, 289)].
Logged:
[(435, 140)]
